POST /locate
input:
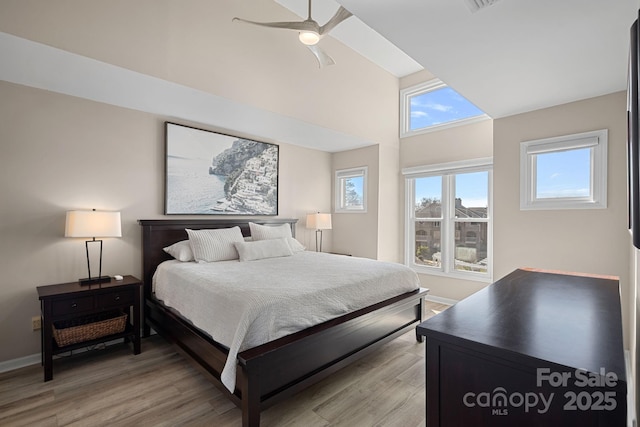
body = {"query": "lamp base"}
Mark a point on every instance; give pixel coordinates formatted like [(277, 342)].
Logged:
[(94, 280)]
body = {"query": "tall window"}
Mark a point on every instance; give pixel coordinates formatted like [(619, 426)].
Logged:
[(434, 105), (448, 219)]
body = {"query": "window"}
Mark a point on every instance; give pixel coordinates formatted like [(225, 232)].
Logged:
[(351, 190), (567, 172), (434, 105), (448, 225)]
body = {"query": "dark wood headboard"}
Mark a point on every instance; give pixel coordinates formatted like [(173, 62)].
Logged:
[(160, 233)]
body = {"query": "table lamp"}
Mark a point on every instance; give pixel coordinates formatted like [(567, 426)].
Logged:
[(93, 224), (319, 221)]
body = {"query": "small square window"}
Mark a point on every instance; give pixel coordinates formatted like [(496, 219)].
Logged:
[(567, 172), (351, 190)]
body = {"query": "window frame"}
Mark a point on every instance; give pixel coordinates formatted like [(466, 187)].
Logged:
[(340, 176), (597, 141), (405, 110), (448, 171)]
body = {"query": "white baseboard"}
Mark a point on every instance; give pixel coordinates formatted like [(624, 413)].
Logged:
[(33, 359), (20, 362), (440, 300)]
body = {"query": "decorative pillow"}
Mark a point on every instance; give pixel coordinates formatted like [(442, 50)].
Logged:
[(261, 249), (180, 251), (267, 232), (215, 245), (295, 245)]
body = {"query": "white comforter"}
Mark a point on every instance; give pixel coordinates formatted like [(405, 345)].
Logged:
[(245, 304)]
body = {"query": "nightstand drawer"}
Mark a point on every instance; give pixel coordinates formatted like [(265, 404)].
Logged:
[(70, 306), (116, 299)]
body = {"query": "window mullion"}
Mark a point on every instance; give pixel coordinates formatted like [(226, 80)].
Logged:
[(593, 174), (448, 220), (410, 221)]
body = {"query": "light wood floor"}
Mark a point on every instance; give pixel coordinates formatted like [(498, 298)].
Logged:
[(159, 388)]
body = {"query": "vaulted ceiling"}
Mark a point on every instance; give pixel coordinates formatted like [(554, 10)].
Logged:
[(509, 57)]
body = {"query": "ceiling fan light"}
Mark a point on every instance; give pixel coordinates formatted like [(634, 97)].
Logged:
[(309, 37)]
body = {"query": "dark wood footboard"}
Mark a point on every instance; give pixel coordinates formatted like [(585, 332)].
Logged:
[(273, 371)]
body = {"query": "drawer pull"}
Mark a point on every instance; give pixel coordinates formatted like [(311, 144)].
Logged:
[(74, 305), (117, 298)]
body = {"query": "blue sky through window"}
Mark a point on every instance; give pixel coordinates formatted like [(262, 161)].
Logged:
[(357, 188), (428, 188), (440, 106), (563, 174), (472, 188)]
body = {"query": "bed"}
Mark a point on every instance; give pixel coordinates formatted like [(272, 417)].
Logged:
[(279, 368)]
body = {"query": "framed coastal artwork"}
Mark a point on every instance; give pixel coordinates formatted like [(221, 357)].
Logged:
[(210, 173)]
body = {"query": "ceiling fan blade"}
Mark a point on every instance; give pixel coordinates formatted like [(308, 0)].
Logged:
[(340, 15), (296, 26), (323, 59)]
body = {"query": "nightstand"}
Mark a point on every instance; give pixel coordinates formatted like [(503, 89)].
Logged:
[(88, 315)]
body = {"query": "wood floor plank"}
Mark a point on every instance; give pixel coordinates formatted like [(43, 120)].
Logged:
[(112, 387)]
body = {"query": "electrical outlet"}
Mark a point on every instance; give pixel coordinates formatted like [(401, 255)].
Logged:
[(36, 323)]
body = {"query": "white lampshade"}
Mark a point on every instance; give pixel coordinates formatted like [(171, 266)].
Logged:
[(319, 221), (92, 224)]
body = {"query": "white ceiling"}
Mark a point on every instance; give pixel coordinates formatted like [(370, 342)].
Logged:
[(358, 36), (511, 57)]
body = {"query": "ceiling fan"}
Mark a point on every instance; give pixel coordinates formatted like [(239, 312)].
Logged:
[(310, 32)]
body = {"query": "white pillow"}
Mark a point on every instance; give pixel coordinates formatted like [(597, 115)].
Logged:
[(295, 245), (180, 251), (215, 245), (261, 249), (266, 232)]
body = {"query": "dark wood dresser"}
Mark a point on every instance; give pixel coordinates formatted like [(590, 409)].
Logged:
[(533, 349)]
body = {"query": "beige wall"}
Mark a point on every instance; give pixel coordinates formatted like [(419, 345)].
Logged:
[(196, 44), (390, 203), (458, 143), (59, 153), (376, 234), (357, 233), (590, 241)]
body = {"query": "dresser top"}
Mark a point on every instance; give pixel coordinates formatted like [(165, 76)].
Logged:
[(569, 320)]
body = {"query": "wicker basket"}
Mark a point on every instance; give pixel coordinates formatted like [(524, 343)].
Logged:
[(89, 327)]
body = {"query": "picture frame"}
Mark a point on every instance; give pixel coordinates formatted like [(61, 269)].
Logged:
[(211, 173)]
